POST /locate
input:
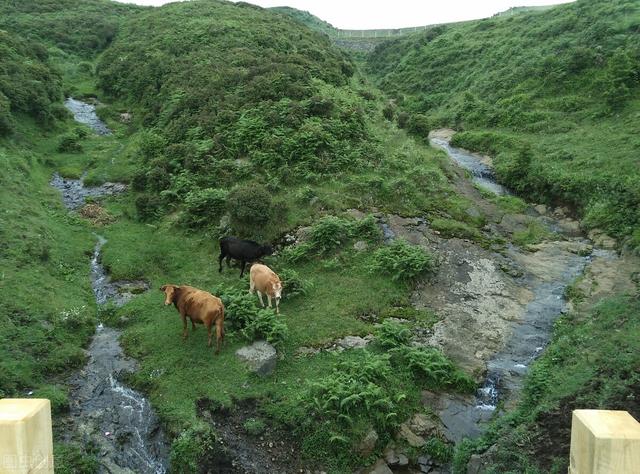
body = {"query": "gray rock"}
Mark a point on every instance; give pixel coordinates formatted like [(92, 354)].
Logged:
[(391, 457), (368, 443), (260, 357), (380, 467), (354, 342), (403, 460), (360, 245), (422, 425), (356, 214), (410, 437), (540, 208), (475, 464)]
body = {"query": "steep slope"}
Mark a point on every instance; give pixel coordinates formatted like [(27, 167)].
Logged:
[(80, 27), (561, 85)]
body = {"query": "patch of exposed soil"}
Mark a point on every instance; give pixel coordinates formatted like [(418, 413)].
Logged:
[(273, 451)]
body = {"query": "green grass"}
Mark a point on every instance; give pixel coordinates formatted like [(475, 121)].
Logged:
[(552, 95), (533, 234)]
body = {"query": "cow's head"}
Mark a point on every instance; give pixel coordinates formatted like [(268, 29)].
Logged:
[(266, 250), (169, 293)]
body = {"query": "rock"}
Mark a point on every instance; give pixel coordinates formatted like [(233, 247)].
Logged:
[(260, 357), (475, 464), (540, 208), (368, 443), (410, 437), (561, 212), (360, 245), (380, 467), (303, 234), (125, 117), (570, 227), (425, 463), (391, 457), (473, 212), (422, 425), (354, 342), (602, 240), (403, 460), (356, 214)]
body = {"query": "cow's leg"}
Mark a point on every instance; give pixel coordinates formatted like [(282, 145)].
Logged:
[(209, 333), (252, 286), (269, 300), (260, 298), (242, 265), (220, 259), (193, 324), (219, 334), (185, 333), (277, 305), (228, 261)]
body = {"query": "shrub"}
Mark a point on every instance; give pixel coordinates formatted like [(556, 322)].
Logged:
[(292, 284), (190, 447), (254, 426), (367, 229), (148, 206), (439, 450), (389, 111), (402, 261), (391, 334), (250, 208), (328, 233), (419, 125), (204, 206), (433, 368), (57, 395), (267, 325), (69, 144), (403, 119)]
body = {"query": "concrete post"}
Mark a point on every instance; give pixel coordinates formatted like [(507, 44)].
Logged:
[(26, 439), (604, 442)]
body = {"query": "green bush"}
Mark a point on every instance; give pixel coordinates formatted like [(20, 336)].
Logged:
[(439, 450), (190, 448), (329, 233), (402, 261), (254, 426), (148, 206), (431, 367), (250, 209), (391, 334), (267, 325), (292, 284), (243, 314), (57, 395), (204, 207), (71, 458), (69, 144)]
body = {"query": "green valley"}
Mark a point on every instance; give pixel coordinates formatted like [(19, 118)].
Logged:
[(403, 276)]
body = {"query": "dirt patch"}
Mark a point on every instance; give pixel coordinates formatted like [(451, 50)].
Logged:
[(270, 449), (97, 215)]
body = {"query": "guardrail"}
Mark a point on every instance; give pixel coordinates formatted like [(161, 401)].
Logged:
[(602, 441)]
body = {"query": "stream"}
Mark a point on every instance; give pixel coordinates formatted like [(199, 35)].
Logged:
[(117, 420), (531, 303)]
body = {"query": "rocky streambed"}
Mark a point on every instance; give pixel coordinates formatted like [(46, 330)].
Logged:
[(497, 302), (104, 412)]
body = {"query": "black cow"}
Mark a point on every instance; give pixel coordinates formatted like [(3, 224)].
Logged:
[(242, 250)]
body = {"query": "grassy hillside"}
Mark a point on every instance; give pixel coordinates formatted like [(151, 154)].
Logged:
[(307, 19), (81, 27), (553, 95)]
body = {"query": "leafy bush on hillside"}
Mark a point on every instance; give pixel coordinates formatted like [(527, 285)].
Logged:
[(250, 206), (84, 27), (231, 91), (69, 143), (243, 314), (28, 83), (205, 206), (402, 261)]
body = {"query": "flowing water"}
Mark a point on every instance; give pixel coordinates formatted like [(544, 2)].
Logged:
[(467, 417), (86, 114), (119, 421), (482, 173)]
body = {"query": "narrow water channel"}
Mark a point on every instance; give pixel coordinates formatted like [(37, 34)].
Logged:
[(106, 413), (530, 333)]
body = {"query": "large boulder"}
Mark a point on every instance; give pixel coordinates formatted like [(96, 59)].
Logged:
[(260, 357)]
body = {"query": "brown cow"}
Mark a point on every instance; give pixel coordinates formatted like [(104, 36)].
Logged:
[(199, 306), (264, 280)]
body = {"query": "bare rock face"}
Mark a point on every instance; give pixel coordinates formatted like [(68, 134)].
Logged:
[(410, 437), (602, 240), (260, 357), (380, 467)]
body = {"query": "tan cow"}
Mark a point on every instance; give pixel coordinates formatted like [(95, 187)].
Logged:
[(264, 280), (199, 306)]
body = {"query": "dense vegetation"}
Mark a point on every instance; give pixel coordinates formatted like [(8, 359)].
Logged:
[(28, 83), (71, 26), (552, 95), (247, 122)]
